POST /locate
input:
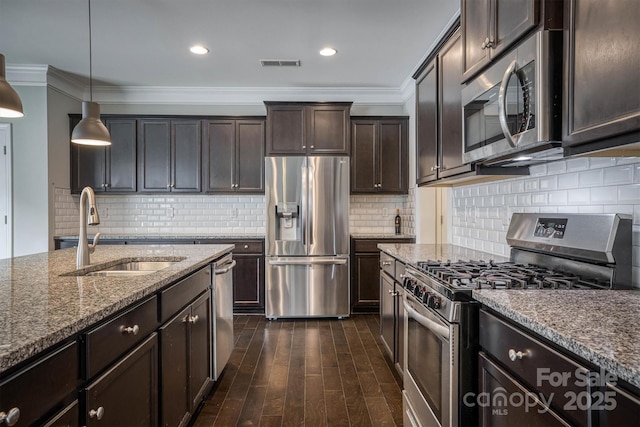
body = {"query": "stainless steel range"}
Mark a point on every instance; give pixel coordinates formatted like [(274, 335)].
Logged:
[(548, 252)]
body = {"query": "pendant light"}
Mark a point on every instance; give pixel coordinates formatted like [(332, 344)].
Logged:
[(90, 130), (10, 104)]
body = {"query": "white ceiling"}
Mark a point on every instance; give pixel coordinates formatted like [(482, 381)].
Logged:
[(145, 42)]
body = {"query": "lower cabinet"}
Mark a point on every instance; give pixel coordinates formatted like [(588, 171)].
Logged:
[(365, 272), (68, 417), (126, 394), (185, 359)]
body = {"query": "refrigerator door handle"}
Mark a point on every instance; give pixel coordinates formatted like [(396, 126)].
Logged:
[(309, 261), (304, 201), (311, 200)]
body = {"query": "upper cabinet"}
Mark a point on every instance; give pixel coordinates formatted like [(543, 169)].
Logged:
[(602, 63), (307, 128), (379, 155), (491, 26), (106, 169), (233, 156), (169, 153), (439, 115)]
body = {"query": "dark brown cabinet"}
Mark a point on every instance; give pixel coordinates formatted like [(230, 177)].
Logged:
[(307, 128), (602, 59), (439, 115), (365, 272), (233, 156), (106, 169), (169, 155), (185, 343), (379, 155), (42, 388), (491, 26), (127, 393)]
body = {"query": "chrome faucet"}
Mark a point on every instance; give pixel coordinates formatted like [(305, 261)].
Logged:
[(84, 248)]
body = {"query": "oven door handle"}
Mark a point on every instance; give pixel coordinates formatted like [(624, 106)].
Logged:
[(502, 103), (436, 328)]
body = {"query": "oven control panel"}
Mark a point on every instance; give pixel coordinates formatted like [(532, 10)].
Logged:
[(553, 228)]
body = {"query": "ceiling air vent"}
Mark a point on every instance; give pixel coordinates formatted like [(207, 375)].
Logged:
[(280, 62)]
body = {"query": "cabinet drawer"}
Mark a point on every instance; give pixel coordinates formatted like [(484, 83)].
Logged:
[(183, 292), (366, 245), (107, 342), (42, 386), (387, 264), (248, 247), (542, 368)]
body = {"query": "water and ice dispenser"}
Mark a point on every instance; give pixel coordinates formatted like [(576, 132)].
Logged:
[(287, 221)]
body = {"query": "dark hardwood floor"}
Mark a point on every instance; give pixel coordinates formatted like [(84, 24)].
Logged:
[(306, 373)]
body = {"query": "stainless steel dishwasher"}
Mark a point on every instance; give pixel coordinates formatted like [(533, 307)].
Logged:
[(222, 314)]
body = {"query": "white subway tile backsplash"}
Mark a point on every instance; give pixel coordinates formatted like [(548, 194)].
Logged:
[(583, 185), (536, 170)]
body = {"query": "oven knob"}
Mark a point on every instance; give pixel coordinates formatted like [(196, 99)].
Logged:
[(435, 302), (418, 291), (425, 297)]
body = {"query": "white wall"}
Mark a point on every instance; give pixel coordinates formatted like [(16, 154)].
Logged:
[(30, 173), (481, 213)]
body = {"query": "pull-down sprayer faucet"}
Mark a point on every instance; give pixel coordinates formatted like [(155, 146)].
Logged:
[(84, 248)]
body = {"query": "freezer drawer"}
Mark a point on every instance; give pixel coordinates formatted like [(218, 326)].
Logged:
[(307, 286)]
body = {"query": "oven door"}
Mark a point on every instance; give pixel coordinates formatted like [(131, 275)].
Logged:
[(431, 368)]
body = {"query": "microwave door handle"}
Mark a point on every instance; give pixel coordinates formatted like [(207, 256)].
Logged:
[(441, 331), (502, 103)]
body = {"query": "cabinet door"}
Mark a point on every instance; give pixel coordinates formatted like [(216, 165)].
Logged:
[(250, 156), (392, 158), (68, 417), (387, 318), (127, 393), (286, 130), (87, 168), (199, 349), (627, 407), (602, 60), (186, 147), (154, 155), (121, 156), (174, 365), (427, 124), (476, 16), (328, 129), (248, 283), (219, 155), (449, 79), (364, 170), (512, 19), (365, 288)]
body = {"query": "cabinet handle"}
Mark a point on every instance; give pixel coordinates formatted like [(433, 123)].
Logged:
[(513, 355), (131, 330), (393, 293), (386, 262), (192, 319), (107, 185), (313, 146), (11, 418), (246, 246), (97, 413), (168, 185)]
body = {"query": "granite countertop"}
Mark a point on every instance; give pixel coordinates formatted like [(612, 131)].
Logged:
[(382, 236), (39, 307), (600, 326), (169, 236), (411, 253)]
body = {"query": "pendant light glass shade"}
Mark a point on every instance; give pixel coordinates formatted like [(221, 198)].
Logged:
[(10, 103), (90, 130)]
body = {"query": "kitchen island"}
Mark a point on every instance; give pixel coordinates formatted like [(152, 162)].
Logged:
[(103, 334)]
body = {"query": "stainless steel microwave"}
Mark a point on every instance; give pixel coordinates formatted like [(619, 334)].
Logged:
[(512, 111)]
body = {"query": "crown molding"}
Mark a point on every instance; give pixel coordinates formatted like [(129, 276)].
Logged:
[(242, 95), (66, 83), (27, 75)]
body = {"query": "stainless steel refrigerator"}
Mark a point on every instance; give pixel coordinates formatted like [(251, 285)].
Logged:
[(307, 236)]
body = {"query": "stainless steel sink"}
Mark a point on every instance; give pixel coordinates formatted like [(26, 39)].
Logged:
[(127, 268)]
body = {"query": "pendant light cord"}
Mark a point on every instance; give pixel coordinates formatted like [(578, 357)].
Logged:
[(90, 59)]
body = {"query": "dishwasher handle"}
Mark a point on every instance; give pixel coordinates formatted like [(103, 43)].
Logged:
[(226, 267), (309, 261)]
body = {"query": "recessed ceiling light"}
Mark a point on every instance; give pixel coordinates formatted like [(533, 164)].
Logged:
[(328, 51), (199, 50)]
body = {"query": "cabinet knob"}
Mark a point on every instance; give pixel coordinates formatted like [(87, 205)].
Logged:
[(246, 246), (11, 417), (304, 147), (192, 319), (131, 330), (313, 146), (168, 185), (97, 413), (513, 355)]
